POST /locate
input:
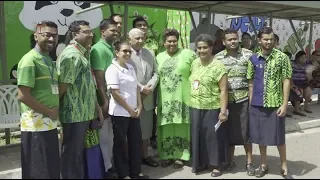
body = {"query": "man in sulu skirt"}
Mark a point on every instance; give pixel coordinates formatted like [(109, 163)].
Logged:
[(269, 74), (236, 61)]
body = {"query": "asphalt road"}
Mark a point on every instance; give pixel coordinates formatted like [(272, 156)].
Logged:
[(303, 154)]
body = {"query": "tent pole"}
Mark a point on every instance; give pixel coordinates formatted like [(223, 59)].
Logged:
[(271, 20), (193, 22), (3, 52), (310, 38), (296, 34), (209, 19), (111, 8), (125, 22), (253, 27)]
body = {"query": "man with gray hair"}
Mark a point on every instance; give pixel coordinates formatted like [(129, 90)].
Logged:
[(145, 66)]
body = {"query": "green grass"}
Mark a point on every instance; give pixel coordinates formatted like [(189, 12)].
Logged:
[(13, 140)]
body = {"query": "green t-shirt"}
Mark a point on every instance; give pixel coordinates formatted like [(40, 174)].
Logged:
[(78, 102), (101, 56), (204, 82), (34, 73)]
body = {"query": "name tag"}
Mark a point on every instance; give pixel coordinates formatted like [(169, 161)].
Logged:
[(54, 89), (196, 84)]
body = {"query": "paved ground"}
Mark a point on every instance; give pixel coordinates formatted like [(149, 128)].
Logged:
[(303, 154)]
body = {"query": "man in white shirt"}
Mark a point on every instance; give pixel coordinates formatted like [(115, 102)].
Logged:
[(146, 69)]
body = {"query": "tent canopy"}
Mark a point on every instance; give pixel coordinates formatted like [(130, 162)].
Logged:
[(294, 10)]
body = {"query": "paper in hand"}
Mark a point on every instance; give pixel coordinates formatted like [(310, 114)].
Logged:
[(217, 125)]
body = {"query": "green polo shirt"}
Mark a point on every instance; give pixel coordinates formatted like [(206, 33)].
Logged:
[(78, 102), (101, 56), (204, 83), (34, 73)]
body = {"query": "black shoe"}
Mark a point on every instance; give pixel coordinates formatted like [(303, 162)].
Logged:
[(250, 169), (199, 170), (150, 162), (112, 170), (262, 171), (287, 175)]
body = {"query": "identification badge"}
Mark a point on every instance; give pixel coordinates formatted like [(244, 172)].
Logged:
[(196, 84), (54, 89)]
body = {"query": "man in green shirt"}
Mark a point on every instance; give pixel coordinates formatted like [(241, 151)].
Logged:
[(39, 97), (101, 56), (78, 100), (236, 61), (269, 73)]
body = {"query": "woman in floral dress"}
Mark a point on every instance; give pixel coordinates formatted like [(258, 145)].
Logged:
[(173, 95)]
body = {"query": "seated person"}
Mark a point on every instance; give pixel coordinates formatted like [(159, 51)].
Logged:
[(299, 85)]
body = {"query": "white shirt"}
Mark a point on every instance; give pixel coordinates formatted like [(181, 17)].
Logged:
[(125, 80)]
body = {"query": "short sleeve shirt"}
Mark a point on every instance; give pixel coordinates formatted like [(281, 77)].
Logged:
[(101, 56), (268, 74), (237, 73), (34, 73), (78, 102), (125, 80), (204, 82)]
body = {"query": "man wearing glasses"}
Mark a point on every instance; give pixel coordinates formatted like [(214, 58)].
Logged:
[(78, 100), (39, 97)]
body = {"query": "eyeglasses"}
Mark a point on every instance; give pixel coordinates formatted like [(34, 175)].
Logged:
[(48, 35), (88, 32)]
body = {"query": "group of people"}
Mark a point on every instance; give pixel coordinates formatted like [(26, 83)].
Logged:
[(105, 96)]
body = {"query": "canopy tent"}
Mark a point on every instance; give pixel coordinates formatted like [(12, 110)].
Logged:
[(291, 10)]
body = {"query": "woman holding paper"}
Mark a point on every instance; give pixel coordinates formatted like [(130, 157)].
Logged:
[(208, 101)]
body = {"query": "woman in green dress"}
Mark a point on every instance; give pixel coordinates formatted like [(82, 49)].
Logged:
[(173, 121)]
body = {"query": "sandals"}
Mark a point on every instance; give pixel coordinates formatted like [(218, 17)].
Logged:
[(262, 171), (250, 169), (285, 174), (150, 162), (216, 173)]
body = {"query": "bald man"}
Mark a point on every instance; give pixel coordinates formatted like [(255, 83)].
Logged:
[(145, 66)]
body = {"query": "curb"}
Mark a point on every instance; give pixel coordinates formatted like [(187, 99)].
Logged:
[(296, 127), (11, 174)]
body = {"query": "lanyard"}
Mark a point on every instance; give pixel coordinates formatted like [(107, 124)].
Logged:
[(45, 61)]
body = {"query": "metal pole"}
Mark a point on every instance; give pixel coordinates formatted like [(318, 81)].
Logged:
[(3, 56), (253, 26), (125, 21), (271, 20), (310, 38), (111, 7), (209, 19), (193, 22), (296, 34)]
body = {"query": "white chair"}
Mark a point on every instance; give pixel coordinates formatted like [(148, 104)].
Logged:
[(9, 107)]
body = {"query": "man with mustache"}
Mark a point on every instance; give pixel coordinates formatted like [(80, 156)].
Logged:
[(78, 100), (236, 61), (269, 73), (39, 96)]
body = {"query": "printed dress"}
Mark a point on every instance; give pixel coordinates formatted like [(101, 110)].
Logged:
[(173, 111)]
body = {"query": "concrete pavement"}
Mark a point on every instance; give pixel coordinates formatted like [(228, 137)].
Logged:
[(303, 153)]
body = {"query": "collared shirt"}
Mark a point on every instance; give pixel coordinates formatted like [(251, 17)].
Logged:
[(34, 73), (237, 73), (78, 102), (204, 84), (101, 56), (125, 80), (268, 75)]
